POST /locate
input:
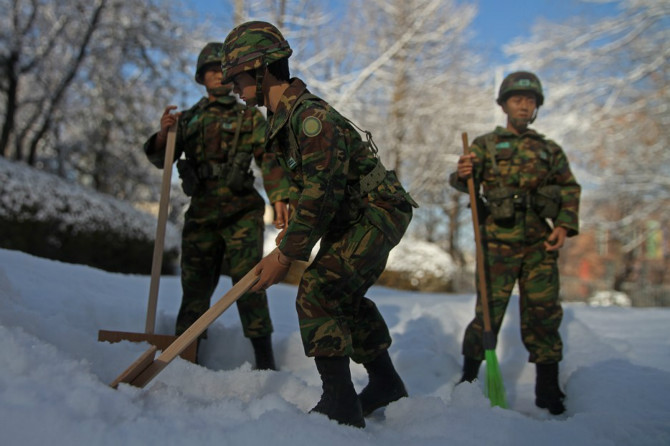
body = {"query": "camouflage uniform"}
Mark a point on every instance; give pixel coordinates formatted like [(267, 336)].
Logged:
[(340, 195), (514, 249), (325, 163), (222, 223)]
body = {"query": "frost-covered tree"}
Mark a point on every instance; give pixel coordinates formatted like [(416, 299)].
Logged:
[(403, 71), (306, 24), (83, 83), (406, 73), (609, 96)]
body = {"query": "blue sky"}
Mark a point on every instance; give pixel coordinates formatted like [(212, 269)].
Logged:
[(498, 22)]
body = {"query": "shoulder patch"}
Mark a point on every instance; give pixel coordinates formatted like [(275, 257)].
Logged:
[(311, 126)]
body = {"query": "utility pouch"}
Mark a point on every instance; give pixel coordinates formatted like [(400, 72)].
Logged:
[(501, 203), (239, 177), (547, 201), (190, 182)]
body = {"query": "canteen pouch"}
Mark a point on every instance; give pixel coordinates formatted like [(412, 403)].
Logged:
[(190, 182), (500, 201), (239, 177), (547, 201)]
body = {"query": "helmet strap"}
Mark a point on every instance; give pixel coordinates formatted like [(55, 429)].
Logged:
[(223, 90), (532, 119), (260, 77)]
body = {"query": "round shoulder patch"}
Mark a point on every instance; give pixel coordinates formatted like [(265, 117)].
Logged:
[(311, 126)]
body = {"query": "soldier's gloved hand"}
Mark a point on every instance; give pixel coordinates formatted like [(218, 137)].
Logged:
[(167, 120), (556, 239), (281, 214), (271, 269), (464, 167)]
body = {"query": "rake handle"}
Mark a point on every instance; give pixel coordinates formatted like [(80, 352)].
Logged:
[(157, 261)]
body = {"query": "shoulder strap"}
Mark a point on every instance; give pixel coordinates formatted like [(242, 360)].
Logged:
[(551, 148), (236, 138), (367, 182), (491, 149)]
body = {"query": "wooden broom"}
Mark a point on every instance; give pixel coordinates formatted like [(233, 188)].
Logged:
[(494, 384)]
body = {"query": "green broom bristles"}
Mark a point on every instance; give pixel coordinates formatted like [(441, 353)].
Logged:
[(494, 384)]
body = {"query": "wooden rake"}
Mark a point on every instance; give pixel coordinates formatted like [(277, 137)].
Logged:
[(160, 341), (145, 368)]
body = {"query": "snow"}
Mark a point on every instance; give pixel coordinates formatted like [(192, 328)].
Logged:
[(411, 254), (611, 297), (54, 374)]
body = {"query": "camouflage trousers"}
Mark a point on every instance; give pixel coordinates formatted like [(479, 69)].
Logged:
[(207, 241), (336, 319), (540, 309)]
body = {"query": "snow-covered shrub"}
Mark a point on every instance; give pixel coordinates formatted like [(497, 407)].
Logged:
[(609, 298), (46, 216), (419, 265)]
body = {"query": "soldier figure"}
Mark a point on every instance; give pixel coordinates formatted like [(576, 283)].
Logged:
[(341, 195), (531, 206), (219, 137)]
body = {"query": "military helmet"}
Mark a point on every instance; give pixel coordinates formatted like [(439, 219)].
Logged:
[(210, 54), (252, 45), (520, 81)]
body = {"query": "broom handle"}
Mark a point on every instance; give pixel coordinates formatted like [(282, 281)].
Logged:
[(481, 273), (157, 262)]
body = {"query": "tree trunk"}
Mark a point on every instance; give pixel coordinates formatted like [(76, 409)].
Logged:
[(59, 92), (238, 14), (625, 273), (452, 213), (10, 103)]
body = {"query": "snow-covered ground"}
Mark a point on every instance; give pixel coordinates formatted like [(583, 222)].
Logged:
[(54, 374)]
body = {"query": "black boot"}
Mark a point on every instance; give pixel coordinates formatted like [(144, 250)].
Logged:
[(265, 359), (197, 351), (548, 394), (339, 401), (470, 369), (384, 385)]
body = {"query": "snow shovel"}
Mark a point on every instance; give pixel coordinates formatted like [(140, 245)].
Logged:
[(145, 368), (494, 384), (159, 340)]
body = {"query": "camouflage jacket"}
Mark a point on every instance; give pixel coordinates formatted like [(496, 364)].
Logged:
[(325, 168), (205, 134), (525, 162)]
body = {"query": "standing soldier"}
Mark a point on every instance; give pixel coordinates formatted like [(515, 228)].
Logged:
[(532, 205), (219, 136), (341, 195)]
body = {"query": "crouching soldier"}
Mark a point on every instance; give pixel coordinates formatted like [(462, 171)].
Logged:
[(340, 195)]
